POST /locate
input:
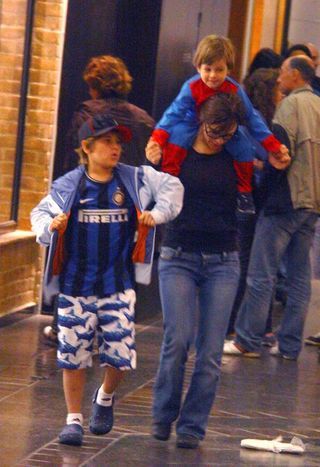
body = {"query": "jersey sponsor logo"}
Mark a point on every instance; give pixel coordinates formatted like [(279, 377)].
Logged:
[(118, 197), (102, 216), (86, 200)]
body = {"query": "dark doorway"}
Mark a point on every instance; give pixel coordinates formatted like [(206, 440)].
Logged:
[(125, 28)]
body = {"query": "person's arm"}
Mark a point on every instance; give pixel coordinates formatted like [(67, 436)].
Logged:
[(165, 190), (258, 128), (181, 108), (274, 164), (42, 217)]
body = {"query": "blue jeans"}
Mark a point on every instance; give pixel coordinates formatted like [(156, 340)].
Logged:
[(246, 227), (315, 252), (197, 292), (289, 233)]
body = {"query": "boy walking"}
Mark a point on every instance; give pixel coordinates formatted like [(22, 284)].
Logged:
[(89, 221), (176, 130)]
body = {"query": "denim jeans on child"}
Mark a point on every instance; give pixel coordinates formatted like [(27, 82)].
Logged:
[(197, 292), (289, 233)]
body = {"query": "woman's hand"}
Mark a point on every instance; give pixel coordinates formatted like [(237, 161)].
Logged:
[(153, 152), (59, 222), (258, 164), (146, 218)]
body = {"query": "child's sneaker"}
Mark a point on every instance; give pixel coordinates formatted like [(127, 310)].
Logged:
[(101, 421), (71, 434), (245, 203)]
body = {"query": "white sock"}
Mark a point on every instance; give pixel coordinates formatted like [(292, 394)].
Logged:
[(103, 398), (75, 418)]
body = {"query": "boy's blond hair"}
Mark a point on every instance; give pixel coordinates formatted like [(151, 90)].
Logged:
[(212, 48), (83, 156)]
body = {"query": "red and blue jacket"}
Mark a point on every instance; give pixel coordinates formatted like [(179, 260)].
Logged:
[(179, 125)]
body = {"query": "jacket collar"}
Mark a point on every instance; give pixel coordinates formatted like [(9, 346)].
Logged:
[(307, 87)]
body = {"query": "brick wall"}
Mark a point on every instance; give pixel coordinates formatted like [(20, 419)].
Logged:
[(19, 271), (47, 41), (12, 39), (21, 258)]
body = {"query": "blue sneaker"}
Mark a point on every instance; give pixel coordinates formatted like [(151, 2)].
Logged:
[(71, 434), (101, 421)]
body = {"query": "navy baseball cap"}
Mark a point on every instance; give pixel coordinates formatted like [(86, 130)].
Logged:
[(100, 124)]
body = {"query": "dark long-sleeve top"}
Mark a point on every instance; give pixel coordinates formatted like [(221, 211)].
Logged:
[(125, 113), (207, 222)]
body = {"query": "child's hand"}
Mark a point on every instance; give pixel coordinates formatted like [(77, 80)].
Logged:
[(282, 154), (59, 222), (153, 152), (146, 218), (279, 164)]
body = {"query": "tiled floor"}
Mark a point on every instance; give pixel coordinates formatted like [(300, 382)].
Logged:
[(257, 398)]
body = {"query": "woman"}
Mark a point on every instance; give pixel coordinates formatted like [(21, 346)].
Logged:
[(198, 268), (263, 91), (109, 83)]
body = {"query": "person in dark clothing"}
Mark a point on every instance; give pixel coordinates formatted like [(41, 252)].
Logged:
[(297, 49), (199, 258), (263, 91), (265, 58), (109, 83), (198, 274)]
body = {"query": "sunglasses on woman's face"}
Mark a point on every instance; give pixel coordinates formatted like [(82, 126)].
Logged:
[(216, 133)]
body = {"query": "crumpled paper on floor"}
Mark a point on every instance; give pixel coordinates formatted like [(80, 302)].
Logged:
[(276, 445)]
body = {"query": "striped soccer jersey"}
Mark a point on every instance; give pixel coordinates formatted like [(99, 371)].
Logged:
[(99, 240)]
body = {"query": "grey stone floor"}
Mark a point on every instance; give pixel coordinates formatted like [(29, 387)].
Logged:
[(257, 398)]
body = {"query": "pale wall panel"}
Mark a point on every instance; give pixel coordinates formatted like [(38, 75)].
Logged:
[(305, 23)]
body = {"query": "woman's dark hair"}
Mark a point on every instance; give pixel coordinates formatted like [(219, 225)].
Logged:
[(222, 109), (297, 49), (260, 87), (265, 58), (108, 75)]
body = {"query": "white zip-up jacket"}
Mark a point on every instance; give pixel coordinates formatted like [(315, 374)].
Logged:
[(145, 186)]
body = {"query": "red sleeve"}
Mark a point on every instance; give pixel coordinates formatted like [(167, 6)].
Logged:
[(271, 144), (160, 136)]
